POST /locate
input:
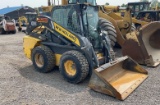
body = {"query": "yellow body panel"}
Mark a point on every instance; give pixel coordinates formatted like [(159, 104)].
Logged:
[(58, 57), (28, 44), (39, 29), (109, 8), (66, 34), (142, 23)]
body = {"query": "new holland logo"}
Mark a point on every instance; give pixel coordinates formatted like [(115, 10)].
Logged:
[(67, 34)]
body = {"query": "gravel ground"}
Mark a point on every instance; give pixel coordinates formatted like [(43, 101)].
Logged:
[(20, 84)]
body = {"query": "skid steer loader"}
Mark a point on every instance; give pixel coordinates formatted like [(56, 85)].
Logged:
[(7, 25), (72, 41)]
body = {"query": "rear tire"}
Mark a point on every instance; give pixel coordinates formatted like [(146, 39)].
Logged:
[(108, 27), (74, 66), (43, 59)]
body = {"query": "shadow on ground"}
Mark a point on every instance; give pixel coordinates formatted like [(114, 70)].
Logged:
[(53, 79)]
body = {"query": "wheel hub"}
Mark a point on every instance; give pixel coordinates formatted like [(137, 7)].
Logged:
[(70, 67), (39, 60)]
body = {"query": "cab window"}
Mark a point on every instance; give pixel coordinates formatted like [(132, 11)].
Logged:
[(67, 18)]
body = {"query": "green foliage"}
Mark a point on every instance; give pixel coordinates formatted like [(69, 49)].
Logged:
[(153, 3), (143, 0), (124, 5), (106, 3)]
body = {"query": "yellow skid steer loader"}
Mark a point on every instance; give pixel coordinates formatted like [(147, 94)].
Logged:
[(71, 40)]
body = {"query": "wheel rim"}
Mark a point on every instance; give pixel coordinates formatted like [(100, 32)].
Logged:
[(39, 60), (70, 67)]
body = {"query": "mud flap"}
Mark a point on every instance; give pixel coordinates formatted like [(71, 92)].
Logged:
[(144, 46), (119, 78)]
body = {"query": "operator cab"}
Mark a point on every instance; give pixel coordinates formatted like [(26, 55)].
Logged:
[(81, 20), (137, 7), (149, 16)]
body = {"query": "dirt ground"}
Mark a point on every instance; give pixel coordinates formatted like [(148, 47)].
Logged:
[(20, 84)]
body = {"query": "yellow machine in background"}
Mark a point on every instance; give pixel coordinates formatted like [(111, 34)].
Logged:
[(24, 20), (140, 13), (135, 44), (137, 7), (21, 22)]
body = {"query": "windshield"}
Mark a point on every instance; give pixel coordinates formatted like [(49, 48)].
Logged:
[(90, 18), (90, 23)]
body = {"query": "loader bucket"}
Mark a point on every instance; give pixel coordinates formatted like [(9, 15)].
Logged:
[(144, 46), (118, 78)]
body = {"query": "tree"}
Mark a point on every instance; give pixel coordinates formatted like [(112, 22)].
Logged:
[(124, 5), (106, 3), (144, 0), (153, 3)]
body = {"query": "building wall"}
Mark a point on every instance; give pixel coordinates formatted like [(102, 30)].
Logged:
[(20, 12)]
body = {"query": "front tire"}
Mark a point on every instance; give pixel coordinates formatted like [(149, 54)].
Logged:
[(74, 66), (43, 59)]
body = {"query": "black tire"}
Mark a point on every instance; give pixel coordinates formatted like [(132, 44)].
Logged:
[(106, 25), (19, 29), (2, 31), (14, 32), (47, 56), (80, 66)]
